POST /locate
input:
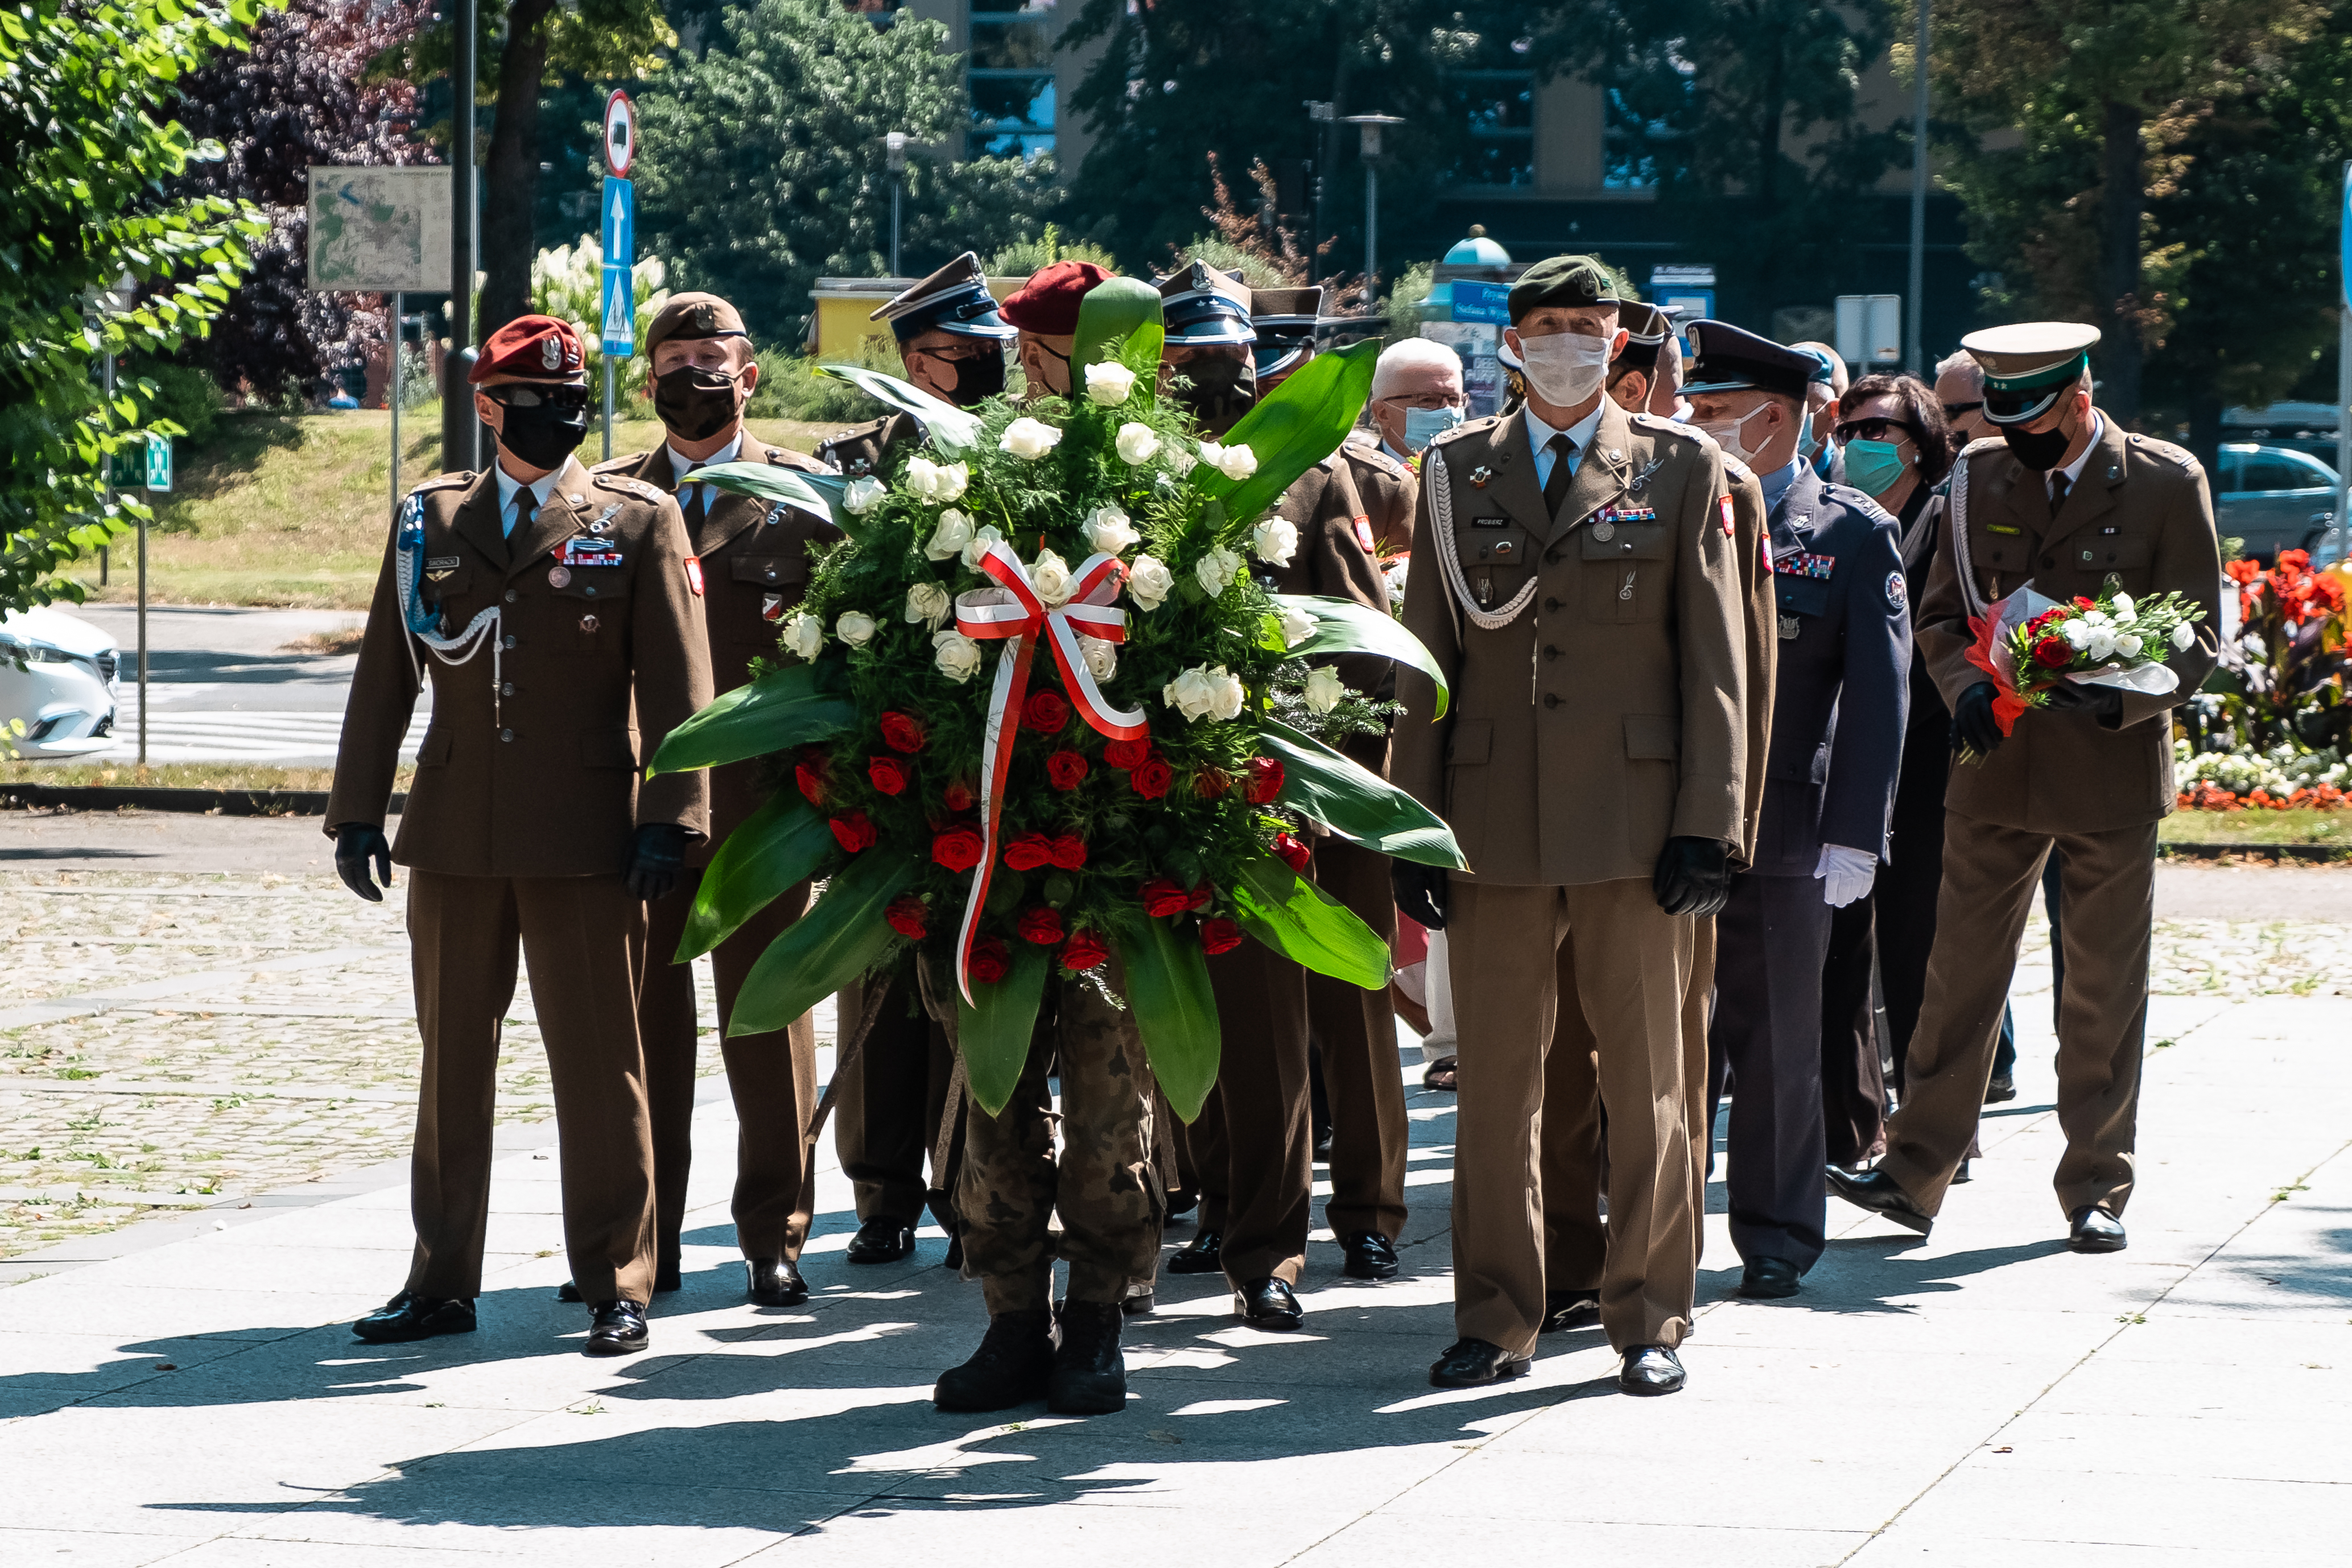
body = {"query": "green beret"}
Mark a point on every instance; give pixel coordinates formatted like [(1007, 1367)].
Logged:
[(1562, 281)]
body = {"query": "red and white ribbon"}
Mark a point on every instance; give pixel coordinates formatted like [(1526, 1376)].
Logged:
[(1018, 613)]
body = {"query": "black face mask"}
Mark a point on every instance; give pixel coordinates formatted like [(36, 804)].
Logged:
[(2038, 450), (981, 376), (546, 430), (1223, 390), (694, 403)]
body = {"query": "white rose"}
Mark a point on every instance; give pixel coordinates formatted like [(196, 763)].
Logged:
[(1323, 688), (977, 545), (2101, 643), (957, 655), (1236, 463), (950, 536), (1216, 569), (928, 602), (1297, 626), (1109, 530), (1275, 540), (1109, 384), (1149, 581), (1050, 575), (862, 495), (854, 627), (937, 481), (2183, 634), (1102, 659), (1136, 443), (2094, 617), (2128, 645), (2078, 633), (2124, 608), (1204, 693), (1225, 694), (1029, 439), (805, 635)]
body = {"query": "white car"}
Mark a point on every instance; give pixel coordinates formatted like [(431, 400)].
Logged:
[(58, 680)]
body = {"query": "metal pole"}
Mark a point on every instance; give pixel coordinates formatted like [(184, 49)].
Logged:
[(607, 357), (394, 387), (2343, 362), (105, 468), (457, 422), (1372, 229), (143, 639), (898, 190), (1914, 337)]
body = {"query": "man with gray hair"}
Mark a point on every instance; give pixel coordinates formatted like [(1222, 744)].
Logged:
[(1959, 387), (1416, 396)]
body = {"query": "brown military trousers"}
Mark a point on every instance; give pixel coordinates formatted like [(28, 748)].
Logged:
[(771, 1077), (584, 940), (1633, 966), (887, 1116), (2108, 887)]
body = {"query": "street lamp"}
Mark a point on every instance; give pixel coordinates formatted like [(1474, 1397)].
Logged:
[(894, 147), (460, 430), (1370, 125)]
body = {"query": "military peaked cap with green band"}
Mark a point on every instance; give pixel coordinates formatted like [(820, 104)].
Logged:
[(1570, 281), (2029, 365)]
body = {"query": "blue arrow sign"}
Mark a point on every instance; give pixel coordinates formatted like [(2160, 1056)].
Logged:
[(620, 209)]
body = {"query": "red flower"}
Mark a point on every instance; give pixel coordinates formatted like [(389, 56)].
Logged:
[(1083, 951), (959, 849), (956, 795), (810, 778), (2053, 653), (1220, 935), (886, 774), (989, 959), (1042, 926), (853, 832), (1029, 851), (2331, 594), (1293, 852), (1152, 777), (1068, 851), (1044, 712), (905, 917), (1127, 754), (2242, 572), (2043, 619), (2294, 562), (1066, 770), (1211, 783), (2082, 603), (903, 733), (1164, 897), (1264, 780), (1202, 895)]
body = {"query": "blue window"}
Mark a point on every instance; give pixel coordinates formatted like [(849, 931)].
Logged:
[(1010, 76), (1499, 108)]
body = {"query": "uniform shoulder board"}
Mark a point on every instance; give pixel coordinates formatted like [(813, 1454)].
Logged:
[(1466, 428), (1860, 501), (627, 486), (2158, 448), (1741, 472), (1369, 453), (1650, 421), (616, 465), (1983, 444), (443, 482), (870, 431)]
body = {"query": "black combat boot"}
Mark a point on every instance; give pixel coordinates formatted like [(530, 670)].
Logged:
[(1011, 1366), (1089, 1374)]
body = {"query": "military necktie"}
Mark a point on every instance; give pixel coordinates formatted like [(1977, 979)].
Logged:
[(1555, 488), (698, 506), (526, 506), (2059, 485)]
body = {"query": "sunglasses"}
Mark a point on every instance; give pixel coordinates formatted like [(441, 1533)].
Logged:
[(1954, 410), (569, 399), (1875, 429)]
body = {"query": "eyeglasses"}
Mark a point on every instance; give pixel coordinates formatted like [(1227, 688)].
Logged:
[(1875, 429), (569, 399), (1954, 410), (1428, 401), (959, 354)]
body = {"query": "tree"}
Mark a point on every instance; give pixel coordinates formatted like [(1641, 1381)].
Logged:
[(762, 165), (90, 149)]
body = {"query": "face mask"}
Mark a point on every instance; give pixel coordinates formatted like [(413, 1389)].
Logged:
[(981, 376), (2038, 450), (1565, 368), (547, 431), (1422, 425), (696, 404), (1874, 467), (1223, 390), (1726, 434)]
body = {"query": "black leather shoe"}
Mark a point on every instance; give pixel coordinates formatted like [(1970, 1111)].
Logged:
[(1139, 1299), (1963, 1175), (881, 1241), (1205, 1254), (1880, 1194), (1268, 1304), (1999, 1089), (1650, 1368), (774, 1281), (568, 1291), (1470, 1364), (2093, 1229), (619, 1329), (1370, 1257), (1089, 1376), (1180, 1202), (1565, 1309), (1011, 1366), (407, 1316), (1767, 1279)]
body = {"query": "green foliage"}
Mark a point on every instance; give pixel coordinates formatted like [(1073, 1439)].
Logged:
[(1355, 803), (840, 938), (995, 1029), (1342, 626), (775, 849), (1401, 304), (785, 709), (1023, 257), (84, 115), (1175, 1011), (1291, 434), (568, 282), (1307, 925), (1256, 270), (793, 387), (182, 395)]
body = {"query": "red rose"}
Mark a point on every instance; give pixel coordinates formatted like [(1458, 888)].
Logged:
[(885, 774), (989, 959), (1029, 851), (811, 781), (1042, 926), (1068, 851), (1211, 783), (1083, 951), (903, 733), (2053, 653), (1152, 777), (1264, 780), (1066, 770), (959, 849), (1044, 712), (2082, 603), (1202, 895), (1127, 754), (1293, 852), (956, 795), (2293, 562), (2241, 571), (1220, 935), (853, 832), (1162, 896), (905, 917)]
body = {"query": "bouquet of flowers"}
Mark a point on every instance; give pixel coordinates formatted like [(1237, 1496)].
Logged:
[(2032, 644), (1028, 712)]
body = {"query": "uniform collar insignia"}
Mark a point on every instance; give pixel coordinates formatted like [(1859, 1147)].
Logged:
[(1634, 486)]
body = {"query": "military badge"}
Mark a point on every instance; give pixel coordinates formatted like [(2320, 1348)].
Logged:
[(551, 353), (694, 574), (1723, 509), (1363, 527), (1604, 531), (1895, 591), (441, 566), (1479, 476), (589, 624), (1799, 565), (578, 552), (1634, 486), (558, 578), (1789, 628), (772, 607)]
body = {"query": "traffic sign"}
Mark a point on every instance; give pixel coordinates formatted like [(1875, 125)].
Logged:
[(144, 464), (1476, 301), (620, 325), (159, 462), (620, 133)]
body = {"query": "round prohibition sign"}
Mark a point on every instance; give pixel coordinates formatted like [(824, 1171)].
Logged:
[(620, 134)]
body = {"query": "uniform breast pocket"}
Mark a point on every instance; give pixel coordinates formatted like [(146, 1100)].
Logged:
[(2003, 552), (1802, 602), (2098, 554), (445, 587), (1494, 555), (770, 570), (1625, 568), (592, 589)]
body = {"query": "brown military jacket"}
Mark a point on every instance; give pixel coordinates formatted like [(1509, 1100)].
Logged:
[(1389, 490), (755, 568), (2141, 514), (864, 449), (1749, 521), (1612, 712), (534, 774), (1323, 504)]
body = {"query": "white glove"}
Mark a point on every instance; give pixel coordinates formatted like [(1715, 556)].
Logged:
[(1846, 874)]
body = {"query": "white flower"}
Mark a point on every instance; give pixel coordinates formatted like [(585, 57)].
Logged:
[(2128, 645), (2183, 634), (854, 627), (862, 495), (2077, 632), (1136, 443), (2095, 618), (1216, 569), (1109, 384), (1109, 530), (957, 655), (1029, 439), (1051, 577), (937, 483), (1236, 463), (2122, 604), (1182, 462), (805, 635), (952, 534), (927, 601), (1297, 626), (1150, 581), (1275, 540), (1323, 688), (1204, 692), (1102, 659), (977, 545), (2101, 643)]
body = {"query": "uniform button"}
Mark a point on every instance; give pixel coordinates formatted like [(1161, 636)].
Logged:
[(507, 643), (1551, 653), (506, 734), (591, 591), (1551, 699), (1552, 557), (512, 595), (506, 688), (1551, 604)]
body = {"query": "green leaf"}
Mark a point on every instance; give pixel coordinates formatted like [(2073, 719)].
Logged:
[(1175, 1011), (840, 936), (773, 850), (995, 1037), (768, 482), (1342, 626), (952, 430), (1307, 925), (776, 712), (1355, 803), (1112, 312), (1294, 428)]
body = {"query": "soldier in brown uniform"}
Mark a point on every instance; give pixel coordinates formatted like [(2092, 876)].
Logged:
[(951, 343), (1588, 605), (547, 604), (2065, 503)]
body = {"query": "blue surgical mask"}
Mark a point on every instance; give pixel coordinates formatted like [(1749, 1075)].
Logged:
[(1874, 467), (1422, 425)]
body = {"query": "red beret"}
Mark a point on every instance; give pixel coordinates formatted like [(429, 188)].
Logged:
[(1048, 303), (536, 348)]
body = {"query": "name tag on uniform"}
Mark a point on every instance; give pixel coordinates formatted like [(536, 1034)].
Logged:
[(441, 566), (1803, 565), (588, 553), (1490, 523), (2001, 528)]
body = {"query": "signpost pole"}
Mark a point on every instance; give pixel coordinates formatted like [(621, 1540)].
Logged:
[(1913, 355), (142, 636), (2344, 358), (392, 389), (608, 406), (459, 426)]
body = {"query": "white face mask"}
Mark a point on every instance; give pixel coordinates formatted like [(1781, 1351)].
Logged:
[(1726, 434), (1565, 368)]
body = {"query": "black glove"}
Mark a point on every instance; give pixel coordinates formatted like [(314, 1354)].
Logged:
[(1693, 876), (655, 860), (1421, 891), (1974, 728), (356, 844), (2103, 703)]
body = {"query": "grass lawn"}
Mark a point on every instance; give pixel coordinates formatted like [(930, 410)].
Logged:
[(177, 775), (293, 510), (2301, 826)]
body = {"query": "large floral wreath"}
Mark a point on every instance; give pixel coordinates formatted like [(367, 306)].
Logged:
[(1027, 712)]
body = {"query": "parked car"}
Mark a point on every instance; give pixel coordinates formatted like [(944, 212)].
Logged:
[(56, 679), (2305, 427), (2276, 498)]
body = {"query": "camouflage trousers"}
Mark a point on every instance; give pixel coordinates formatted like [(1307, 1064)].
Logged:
[(1103, 1184)]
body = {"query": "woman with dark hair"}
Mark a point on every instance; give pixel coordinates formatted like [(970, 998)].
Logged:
[(1898, 445)]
